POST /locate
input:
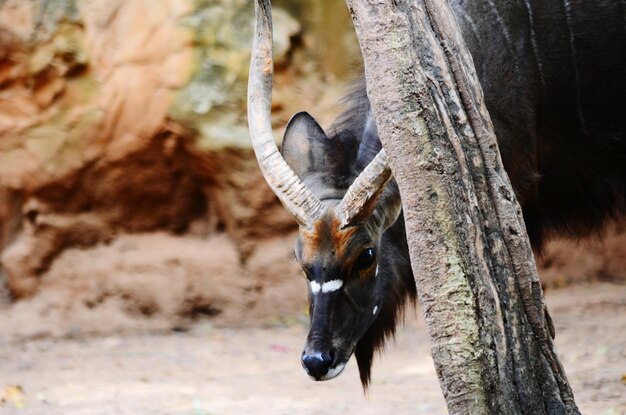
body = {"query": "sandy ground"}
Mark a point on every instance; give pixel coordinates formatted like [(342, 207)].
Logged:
[(210, 370)]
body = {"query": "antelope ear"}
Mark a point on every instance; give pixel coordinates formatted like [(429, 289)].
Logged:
[(306, 147), (390, 204), (385, 205), (370, 142)]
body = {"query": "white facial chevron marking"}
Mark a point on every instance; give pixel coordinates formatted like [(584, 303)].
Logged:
[(327, 287), (315, 287), (330, 286)]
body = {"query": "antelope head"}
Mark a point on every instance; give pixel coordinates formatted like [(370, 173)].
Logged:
[(344, 202)]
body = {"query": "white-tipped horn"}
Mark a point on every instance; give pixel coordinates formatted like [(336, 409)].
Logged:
[(287, 186), (361, 197)]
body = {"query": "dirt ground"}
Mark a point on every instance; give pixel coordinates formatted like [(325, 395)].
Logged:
[(209, 370)]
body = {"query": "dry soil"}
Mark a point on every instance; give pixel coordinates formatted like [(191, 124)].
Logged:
[(209, 370)]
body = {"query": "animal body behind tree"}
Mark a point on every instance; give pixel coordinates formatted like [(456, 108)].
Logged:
[(554, 83)]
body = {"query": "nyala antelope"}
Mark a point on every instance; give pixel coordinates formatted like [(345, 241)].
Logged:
[(553, 77)]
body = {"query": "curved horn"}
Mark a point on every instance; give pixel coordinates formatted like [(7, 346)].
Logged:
[(287, 186), (361, 197)]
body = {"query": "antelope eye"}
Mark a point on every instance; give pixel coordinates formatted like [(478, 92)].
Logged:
[(365, 259)]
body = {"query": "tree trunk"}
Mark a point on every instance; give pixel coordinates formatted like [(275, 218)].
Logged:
[(474, 268)]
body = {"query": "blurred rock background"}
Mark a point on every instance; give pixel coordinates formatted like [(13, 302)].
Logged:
[(129, 193)]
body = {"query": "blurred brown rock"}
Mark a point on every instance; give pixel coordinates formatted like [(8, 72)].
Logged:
[(123, 116)]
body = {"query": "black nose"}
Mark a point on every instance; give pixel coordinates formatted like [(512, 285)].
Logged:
[(317, 364)]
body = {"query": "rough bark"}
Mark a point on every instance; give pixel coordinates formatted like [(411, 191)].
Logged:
[(475, 272)]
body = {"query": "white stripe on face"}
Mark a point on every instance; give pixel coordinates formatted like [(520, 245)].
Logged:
[(315, 287), (327, 287), (375, 310), (330, 286)]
